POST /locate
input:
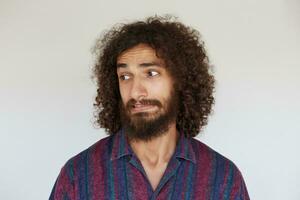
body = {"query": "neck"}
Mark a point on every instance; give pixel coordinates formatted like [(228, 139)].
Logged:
[(159, 150)]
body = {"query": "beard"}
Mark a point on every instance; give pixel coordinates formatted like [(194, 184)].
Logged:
[(145, 126)]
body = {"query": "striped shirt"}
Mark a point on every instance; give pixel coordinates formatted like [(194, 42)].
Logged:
[(109, 169)]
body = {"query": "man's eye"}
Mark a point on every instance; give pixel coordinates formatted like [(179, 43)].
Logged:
[(124, 77), (152, 73)]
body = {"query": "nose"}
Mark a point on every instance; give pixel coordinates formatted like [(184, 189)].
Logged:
[(138, 90)]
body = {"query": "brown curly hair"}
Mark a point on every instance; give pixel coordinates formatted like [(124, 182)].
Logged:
[(186, 60)]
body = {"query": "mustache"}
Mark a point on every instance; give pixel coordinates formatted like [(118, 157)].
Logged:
[(130, 104)]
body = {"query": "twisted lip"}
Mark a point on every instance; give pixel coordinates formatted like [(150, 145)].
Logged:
[(141, 107)]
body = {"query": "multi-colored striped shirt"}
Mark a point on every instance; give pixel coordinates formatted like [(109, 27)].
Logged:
[(109, 169)]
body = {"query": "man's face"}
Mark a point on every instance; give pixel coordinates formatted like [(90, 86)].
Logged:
[(149, 101)]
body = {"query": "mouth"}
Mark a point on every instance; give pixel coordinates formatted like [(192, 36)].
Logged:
[(141, 108)]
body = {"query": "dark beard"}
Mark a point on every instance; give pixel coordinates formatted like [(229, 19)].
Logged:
[(146, 126)]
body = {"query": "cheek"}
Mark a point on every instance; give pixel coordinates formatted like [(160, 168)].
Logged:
[(124, 95), (161, 89)]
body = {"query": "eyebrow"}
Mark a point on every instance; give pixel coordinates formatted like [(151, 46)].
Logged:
[(147, 64)]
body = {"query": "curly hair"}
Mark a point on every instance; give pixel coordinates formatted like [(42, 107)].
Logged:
[(182, 50)]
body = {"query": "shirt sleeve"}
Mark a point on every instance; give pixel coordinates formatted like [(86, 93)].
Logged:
[(243, 193), (63, 188)]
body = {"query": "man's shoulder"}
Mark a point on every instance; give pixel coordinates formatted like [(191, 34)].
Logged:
[(224, 176), (206, 154), (100, 151)]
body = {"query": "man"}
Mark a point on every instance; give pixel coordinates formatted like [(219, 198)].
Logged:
[(154, 96)]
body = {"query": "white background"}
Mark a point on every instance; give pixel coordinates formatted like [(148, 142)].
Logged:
[(46, 112)]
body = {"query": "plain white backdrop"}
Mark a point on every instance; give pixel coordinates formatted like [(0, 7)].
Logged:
[(46, 112)]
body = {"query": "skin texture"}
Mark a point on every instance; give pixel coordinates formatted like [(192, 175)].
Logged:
[(147, 93), (142, 75), (137, 81)]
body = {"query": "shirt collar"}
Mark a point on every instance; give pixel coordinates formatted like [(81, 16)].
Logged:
[(184, 148), (121, 147)]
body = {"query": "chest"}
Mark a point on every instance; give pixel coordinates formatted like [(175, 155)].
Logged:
[(154, 174)]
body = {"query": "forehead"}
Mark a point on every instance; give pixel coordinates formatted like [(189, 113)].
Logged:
[(137, 54)]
